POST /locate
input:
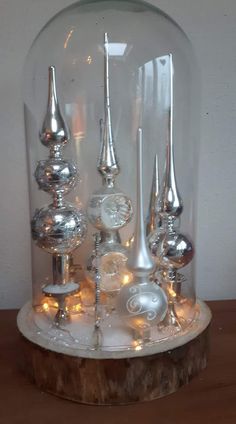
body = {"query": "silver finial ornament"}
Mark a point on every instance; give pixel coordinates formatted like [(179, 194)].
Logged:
[(54, 130), (170, 202), (107, 163), (141, 303), (60, 227), (171, 249)]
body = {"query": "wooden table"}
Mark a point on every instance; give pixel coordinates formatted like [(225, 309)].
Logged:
[(209, 399)]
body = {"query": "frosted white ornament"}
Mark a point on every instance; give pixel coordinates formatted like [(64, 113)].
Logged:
[(141, 303)]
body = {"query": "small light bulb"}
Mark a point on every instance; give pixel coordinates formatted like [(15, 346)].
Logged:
[(45, 306)]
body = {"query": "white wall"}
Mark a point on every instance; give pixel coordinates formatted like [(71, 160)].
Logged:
[(211, 26)]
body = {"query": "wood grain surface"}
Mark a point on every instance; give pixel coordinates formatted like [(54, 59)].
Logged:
[(119, 381), (210, 397)]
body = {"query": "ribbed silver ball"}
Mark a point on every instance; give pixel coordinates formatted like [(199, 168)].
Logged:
[(59, 230), (56, 175), (142, 306)]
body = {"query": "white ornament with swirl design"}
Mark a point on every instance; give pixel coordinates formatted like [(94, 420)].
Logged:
[(142, 305)]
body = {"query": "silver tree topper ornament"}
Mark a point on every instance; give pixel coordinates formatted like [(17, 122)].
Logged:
[(141, 303), (172, 249), (60, 227), (108, 208)]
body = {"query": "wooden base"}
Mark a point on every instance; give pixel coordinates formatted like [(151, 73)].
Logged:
[(115, 381)]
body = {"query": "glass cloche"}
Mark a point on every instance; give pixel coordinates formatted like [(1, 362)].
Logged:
[(112, 235)]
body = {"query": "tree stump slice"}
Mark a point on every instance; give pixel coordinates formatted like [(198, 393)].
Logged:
[(121, 380)]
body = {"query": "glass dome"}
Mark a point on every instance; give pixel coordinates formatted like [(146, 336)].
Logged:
[(113, 66)]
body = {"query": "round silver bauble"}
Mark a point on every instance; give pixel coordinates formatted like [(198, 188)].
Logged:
[(56, 175), (109, 209), (175, 251), (59, 230), (142, 305)]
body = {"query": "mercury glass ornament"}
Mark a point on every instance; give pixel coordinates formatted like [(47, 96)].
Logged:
[(59, 230), (108, 208), (141, 303), (171, 249), (60, 227), (56, 176), (175, 251)]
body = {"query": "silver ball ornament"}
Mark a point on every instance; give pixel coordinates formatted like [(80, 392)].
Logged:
[(56, 175), (109, 209), (59, 230), (175, 251)]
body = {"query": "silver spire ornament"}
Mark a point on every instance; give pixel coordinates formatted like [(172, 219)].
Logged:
[(108, 165), (170, 202), (171, 249), (108, 208), (141, 303), (60, 227)]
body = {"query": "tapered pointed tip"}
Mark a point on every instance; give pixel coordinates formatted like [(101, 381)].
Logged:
[(140, 132), (140, 138), (106, 37), (54, 129), (52, 70), (156, 166)]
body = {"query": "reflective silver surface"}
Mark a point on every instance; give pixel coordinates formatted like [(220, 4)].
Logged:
[(59, 230), (61, 268), (60, 227), (107, 163), (56, 175), (175, 251), (170, 202), (54, 129), (108, 208)]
